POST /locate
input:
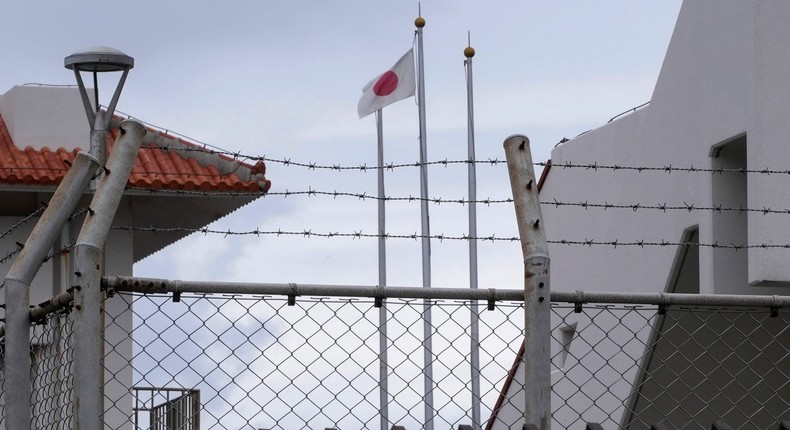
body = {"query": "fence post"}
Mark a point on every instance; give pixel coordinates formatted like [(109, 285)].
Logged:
[(88, 321), (537, 294), (17, 288)]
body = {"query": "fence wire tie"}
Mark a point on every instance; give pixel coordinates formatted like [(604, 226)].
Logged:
[(293, 294), (491, 299), (579, 303), (378, 299), (664, 303)]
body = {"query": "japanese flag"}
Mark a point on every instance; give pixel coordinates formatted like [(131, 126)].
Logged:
[(395, 84)]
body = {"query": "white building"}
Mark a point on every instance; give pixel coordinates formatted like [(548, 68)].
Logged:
[(721, 101), (42, 128)]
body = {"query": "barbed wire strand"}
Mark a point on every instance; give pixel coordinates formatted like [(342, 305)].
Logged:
[(9, 255), (23, 221), (663, 207), (441, 237), (446, 162)]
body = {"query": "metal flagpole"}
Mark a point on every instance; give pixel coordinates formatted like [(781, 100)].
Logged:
[(383, 396), (426, 232), (474, 352)]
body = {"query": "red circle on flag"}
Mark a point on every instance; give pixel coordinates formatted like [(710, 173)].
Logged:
[(386, 84)]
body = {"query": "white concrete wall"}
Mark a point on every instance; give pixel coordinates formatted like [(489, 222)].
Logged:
[(60, 122), (725, 75)]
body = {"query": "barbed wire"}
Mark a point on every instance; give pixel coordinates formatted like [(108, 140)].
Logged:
[(441, 237), (446, 162), (63, 250), (23, 221), (9, 255), (667, 168), (663, 207)]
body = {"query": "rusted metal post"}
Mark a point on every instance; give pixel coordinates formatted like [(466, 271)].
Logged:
[(88, 322), (17, 288), (537, 294)]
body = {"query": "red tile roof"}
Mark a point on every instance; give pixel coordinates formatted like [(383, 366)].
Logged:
[(155, 168)]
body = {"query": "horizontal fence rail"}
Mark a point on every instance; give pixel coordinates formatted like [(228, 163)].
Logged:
[(302, 356), (161, 286)]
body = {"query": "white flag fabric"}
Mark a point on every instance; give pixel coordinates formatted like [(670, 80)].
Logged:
[(395, 84)]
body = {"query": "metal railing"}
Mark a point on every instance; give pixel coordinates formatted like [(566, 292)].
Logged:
[(163, 408)]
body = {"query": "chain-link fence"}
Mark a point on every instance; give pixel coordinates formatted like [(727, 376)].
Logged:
[(259, 362), (631, 367), (216, 361), (52, 359)]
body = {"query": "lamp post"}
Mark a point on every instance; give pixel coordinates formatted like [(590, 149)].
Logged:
[(97, 60), (89, 261)]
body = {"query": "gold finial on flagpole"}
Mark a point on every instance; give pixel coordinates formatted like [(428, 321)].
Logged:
[(420, 21), (469, 52)]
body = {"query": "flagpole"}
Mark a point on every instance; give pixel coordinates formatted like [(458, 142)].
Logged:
[(474, 351), (383, 397), (426, 232)]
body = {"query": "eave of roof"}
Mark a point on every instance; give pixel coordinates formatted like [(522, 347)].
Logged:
[(164, 163)]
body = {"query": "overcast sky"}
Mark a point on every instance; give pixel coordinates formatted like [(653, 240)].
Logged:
[(282, 79)]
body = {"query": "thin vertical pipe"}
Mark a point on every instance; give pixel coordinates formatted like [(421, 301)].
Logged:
[(383, 366), (474, 352), (17, 288), (88, 342), (426, 232), (537, 293)]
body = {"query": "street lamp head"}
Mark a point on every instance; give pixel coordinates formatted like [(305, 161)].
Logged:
[(99, 59)]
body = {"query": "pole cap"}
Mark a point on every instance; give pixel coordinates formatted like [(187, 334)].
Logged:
[(419, 22), (99, 59), (469, 52)]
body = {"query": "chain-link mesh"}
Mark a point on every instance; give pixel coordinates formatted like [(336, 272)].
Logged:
[(631, 367), (260, 363), (52, 355), (254, 362)]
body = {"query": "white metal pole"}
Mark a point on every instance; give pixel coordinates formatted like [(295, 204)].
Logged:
[(474, 353), (537, 294), (426, 232), (383, 366), (17, 288), (88, 342)]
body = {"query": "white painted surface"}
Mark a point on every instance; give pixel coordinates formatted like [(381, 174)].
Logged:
[(61, 122), (726, 74)]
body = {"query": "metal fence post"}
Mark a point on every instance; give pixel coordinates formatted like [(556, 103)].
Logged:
[(17, 288), (88, 341), (537, 294)]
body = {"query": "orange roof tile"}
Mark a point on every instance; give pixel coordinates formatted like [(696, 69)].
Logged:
[(156, 168)]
